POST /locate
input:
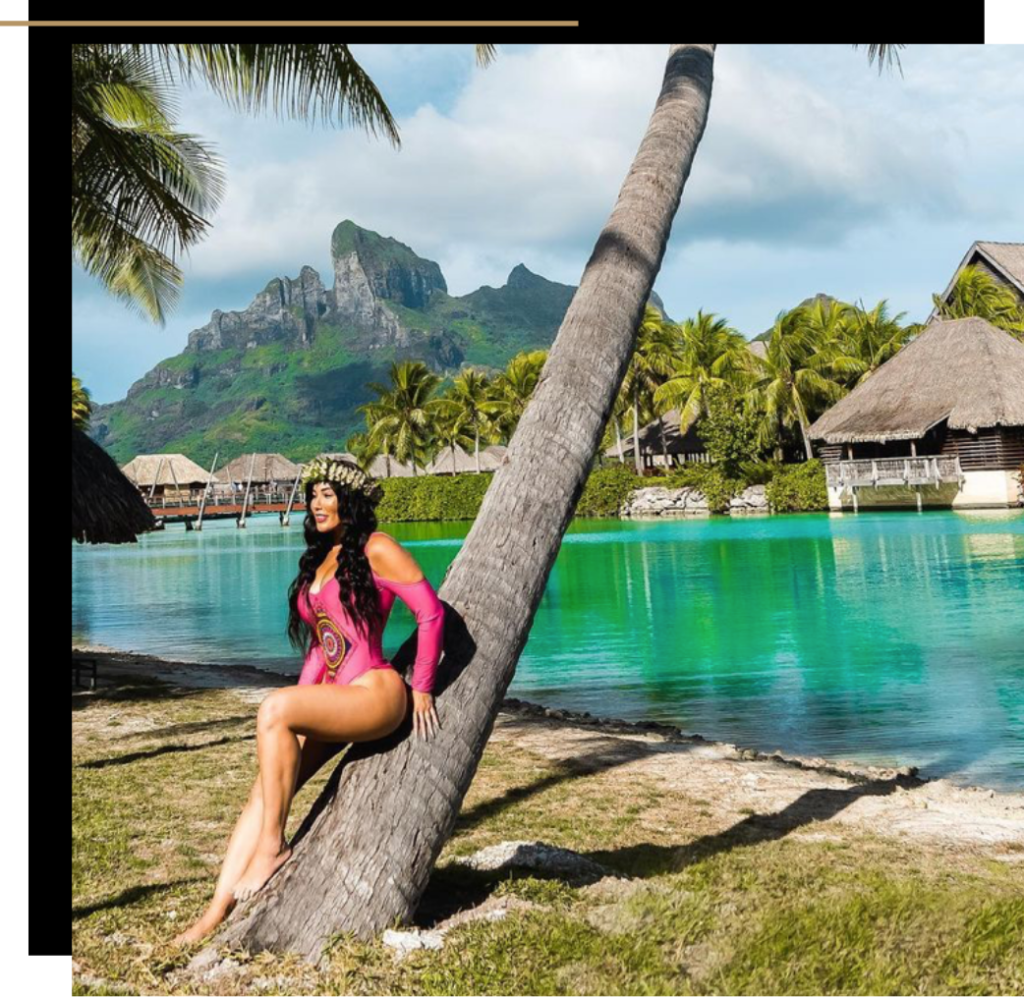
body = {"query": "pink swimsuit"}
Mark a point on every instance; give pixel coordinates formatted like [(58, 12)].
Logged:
[(340, 652)]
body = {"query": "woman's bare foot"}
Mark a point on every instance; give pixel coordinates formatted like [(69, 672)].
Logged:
[(261, 867), (211, 917)]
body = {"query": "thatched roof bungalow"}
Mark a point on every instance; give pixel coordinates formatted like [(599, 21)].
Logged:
[(383, 466), (166, 474), (271, 471), (461, 461), (1003, 261), (680, 447), (941, 423)]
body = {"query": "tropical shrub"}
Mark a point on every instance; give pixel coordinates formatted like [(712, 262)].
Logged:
[(798, 488), (607, 489)]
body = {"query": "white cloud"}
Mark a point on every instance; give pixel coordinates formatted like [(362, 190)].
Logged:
[(806, 147), (535, 148)]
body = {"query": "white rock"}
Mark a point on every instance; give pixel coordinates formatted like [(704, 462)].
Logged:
[(404, 942), (535, 855)]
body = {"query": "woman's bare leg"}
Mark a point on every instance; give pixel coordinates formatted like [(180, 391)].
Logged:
[(240, 850), (244, 839), (369, 707)]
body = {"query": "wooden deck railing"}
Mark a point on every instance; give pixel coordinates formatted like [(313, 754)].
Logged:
[(256, 497), (894, 471)]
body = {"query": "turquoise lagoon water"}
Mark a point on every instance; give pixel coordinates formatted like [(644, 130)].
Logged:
[(887, 637)]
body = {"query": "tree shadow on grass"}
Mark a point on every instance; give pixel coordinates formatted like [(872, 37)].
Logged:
[(114, 688), (610, 753), (128, 897), (166, 749), (455, 887), (194, 727), (815, 805)]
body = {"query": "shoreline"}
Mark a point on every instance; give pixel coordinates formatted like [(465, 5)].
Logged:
[(253, 682)]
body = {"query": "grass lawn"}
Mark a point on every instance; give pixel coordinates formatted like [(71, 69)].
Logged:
[(161, 772)]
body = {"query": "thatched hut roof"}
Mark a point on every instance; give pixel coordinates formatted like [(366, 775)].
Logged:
[(268, 467), (379, 469), (464, 462), (143, 469), (1002, 260), (964, 370), (650, 440), (105, 506)]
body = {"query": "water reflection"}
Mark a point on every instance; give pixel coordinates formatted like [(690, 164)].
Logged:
[(887, 637)]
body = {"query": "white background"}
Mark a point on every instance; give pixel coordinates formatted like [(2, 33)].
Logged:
[(1004, 21)]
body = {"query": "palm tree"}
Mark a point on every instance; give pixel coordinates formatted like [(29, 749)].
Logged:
[(619, 411), (358, 444), (496, 581), (650, 364), (401, 418), (790, 382), (711, 354), (471, 391), (81, 404), (866, 340), (512, 390), (139, 189), (450, 428), (976, 292)]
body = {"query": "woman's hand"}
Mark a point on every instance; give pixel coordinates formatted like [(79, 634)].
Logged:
[(424, 716)]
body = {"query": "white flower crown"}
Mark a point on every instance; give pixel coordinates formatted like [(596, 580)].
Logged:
[(323, 468)]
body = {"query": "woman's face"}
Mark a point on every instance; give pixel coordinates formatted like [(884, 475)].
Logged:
[(324, 507)]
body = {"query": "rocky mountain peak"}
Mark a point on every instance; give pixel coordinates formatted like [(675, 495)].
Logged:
[(521, 278)]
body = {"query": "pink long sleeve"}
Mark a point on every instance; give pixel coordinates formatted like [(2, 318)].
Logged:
[(421, 598)]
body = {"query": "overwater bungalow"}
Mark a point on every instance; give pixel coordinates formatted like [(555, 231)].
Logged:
[(1002, 261), (167, 475), (940, 424), (271, 472)]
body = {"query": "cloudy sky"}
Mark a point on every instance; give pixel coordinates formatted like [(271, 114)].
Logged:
[(815, 174)]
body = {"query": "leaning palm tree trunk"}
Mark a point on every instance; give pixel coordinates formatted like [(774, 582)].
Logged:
[(349, 872)]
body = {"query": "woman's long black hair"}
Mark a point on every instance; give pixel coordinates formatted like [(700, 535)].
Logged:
[(357, 589)]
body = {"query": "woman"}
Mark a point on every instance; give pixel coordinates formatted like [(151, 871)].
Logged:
[(346, 691)]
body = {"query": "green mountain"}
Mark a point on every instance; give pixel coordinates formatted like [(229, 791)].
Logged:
[(287, 373)]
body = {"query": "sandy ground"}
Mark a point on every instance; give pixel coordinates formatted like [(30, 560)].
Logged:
[(811, 797)]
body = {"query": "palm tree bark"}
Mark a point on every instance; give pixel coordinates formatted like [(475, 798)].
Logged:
[(618, 441), (807, 442), (365, 852), (636, 434)]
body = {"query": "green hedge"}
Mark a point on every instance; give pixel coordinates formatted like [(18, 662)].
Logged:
[(439, 497), (798, 488), (432, 497)]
